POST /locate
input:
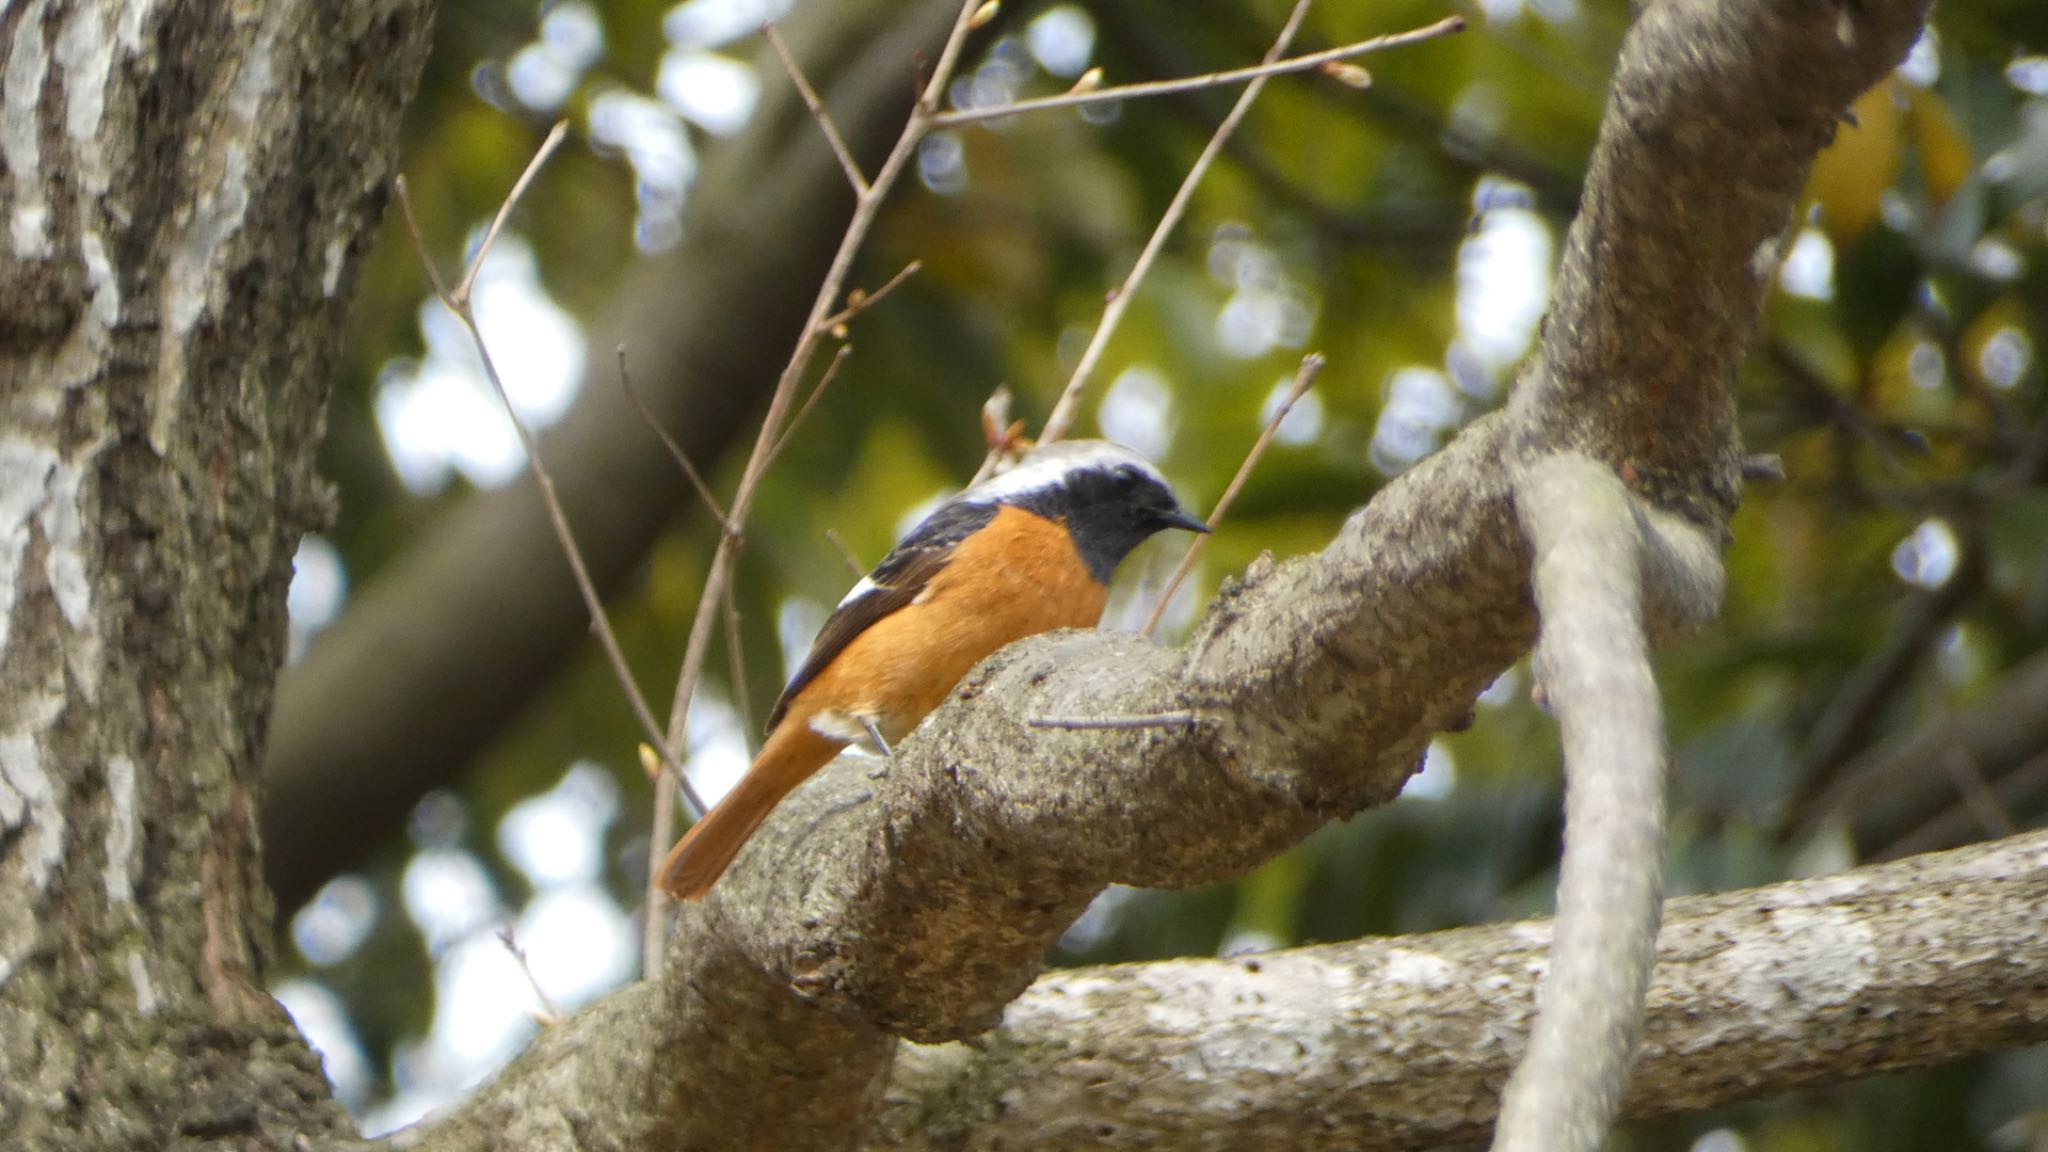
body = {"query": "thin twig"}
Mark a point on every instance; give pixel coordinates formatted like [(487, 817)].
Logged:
[(996, 424), (1975, 790), (858, 301), (549, 1013), (1116, 723), (557, 518), (1845, 726), (1958, 822), (675, 450), (1304, 378), (847, 163), (600, 622), (867, 203), (810, 401), (845, 553), (736, 663), (1063, 412), (1273, 66), (533, 167), (419, 241)]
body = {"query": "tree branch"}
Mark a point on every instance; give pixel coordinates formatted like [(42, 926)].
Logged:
[(1609, 575), (1273, 65), (1402, 1043), (1068, 405), (1361, 1046), (1304, 378)]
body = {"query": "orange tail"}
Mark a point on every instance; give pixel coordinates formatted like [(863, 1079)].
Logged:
[(792, 753)]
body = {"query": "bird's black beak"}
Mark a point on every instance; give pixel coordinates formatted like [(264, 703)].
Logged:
[(1180, 519)]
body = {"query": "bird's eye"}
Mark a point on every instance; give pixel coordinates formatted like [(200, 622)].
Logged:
[(1127, 478)]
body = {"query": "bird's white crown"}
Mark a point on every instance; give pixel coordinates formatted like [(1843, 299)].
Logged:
[(1049, 466)]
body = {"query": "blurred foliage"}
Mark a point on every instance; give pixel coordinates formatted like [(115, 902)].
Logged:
[(1898, 377)]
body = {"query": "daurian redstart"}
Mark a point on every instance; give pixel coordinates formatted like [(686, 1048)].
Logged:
[(1024, 552)]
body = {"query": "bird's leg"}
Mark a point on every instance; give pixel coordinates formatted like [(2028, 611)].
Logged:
[(875, 734)]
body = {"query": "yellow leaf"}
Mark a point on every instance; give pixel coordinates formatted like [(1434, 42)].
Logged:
[(1944, 153), (1850, 176)]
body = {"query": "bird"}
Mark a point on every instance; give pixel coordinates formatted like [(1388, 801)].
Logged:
[(1023, 552)]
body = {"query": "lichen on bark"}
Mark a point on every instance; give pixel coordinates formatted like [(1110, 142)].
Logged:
[(173, 173)]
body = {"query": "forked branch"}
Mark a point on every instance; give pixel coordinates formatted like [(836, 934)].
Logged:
[(459, 302)]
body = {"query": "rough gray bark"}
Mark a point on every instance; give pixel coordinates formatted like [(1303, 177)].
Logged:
[(188, 190), (1404, 1043), (410, 684)]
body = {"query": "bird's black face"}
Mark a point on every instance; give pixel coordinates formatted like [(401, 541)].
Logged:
[(1111, 510)]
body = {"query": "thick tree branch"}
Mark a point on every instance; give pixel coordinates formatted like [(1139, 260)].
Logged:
[(1649, 215), (679, 1064), (1403, 1043), (1379, 1044)]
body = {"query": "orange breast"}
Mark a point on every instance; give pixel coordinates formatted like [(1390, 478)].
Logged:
[(1017, 577)]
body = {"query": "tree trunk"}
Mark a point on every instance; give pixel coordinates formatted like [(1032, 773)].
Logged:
[(188, 190)]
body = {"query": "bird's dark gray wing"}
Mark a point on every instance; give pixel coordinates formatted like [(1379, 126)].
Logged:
[(895, 582)]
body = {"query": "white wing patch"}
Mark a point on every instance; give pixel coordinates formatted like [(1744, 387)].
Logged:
[(859, 590)]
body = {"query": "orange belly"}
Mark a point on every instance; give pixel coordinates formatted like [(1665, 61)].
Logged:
[(1019, 576)]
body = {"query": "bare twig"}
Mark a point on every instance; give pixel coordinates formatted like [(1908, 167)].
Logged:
[(736, 663), (1304, 379), (867, 202), (858, 301), (847, 163), (1853, 715), (1115, 723), (1963, 821), (557, 518), (675, 450), (845, 553), (533, 167), (1272, 66), (419, 241), (1975, 791), (811, 401), (1762, 467), (995, 418), (549, 1014), (1064, 411)]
